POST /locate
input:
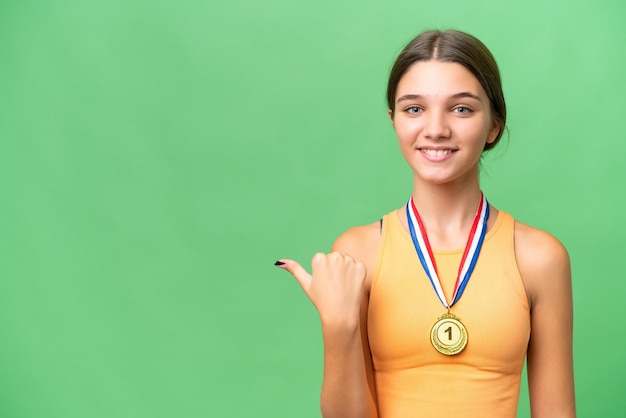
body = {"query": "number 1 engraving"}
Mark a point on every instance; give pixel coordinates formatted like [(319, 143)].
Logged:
[(449, 331)]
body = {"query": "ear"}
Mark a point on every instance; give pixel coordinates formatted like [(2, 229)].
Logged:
[(493, 132), (390, 113)]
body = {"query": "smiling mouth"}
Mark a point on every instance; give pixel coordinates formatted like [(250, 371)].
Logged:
[(436, 152)]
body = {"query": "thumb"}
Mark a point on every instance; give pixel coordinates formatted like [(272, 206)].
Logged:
[(302, 276)]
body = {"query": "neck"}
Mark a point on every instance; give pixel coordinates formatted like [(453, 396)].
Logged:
[(447, 211)]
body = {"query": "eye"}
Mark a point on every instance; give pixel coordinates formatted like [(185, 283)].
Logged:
[(463, 110), (413, 109)]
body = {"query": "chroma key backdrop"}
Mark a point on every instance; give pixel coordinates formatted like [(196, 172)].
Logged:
[(156, 158)]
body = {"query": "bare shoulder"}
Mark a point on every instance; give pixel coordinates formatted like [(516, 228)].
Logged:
[(361, 243), (538, 247), (542, 260)]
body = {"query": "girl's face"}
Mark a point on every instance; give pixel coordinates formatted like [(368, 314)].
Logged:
[(443, 120)]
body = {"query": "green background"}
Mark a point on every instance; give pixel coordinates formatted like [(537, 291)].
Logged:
[(157, 157)]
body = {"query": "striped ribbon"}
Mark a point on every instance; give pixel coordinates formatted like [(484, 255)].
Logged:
[(470, 255)]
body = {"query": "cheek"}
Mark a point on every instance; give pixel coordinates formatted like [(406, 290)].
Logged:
[(406, 132), (406, 142), (479, 132)]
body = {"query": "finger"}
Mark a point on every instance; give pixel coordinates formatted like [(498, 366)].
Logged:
[(296, 270)]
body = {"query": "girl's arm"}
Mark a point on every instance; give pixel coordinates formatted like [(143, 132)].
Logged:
[(348, 388), (339, 289), (545, 268)]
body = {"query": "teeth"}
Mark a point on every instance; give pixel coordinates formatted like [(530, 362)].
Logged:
[(436, 152)]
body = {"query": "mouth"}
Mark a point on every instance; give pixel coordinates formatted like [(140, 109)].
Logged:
[(436, 152)]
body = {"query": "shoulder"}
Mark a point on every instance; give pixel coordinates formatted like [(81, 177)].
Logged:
[(538, 249), (542, 260), (361, 243)]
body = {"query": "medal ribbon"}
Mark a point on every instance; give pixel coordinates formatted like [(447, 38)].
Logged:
[(470, 255)]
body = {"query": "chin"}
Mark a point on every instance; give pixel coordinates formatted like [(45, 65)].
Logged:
[(443, 178)]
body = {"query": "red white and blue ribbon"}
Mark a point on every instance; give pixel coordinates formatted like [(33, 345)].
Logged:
[(470, 255)]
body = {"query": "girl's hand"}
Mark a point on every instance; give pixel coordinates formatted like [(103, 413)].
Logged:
[(336, 286)]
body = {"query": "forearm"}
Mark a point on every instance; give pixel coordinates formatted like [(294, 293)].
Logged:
[(346, 391), (338, 289)]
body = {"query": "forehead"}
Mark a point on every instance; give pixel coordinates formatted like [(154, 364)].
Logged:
[(436, 78)]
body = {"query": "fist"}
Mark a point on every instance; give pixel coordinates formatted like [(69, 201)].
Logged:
[(336, 285)]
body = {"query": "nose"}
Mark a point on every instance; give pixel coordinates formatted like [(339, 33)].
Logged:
[(436, 125)]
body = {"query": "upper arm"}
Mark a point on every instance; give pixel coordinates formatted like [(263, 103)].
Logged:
[(545, 268), (362, 243)]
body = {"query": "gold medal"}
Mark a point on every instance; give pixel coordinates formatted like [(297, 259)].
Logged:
[(448, 335)]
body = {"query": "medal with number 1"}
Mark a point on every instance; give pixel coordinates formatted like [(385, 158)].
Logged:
[(448, 335)]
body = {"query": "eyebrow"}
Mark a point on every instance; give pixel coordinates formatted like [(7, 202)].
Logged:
[(461, 95)]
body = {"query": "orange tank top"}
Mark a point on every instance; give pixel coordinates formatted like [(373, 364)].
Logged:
[(415, 380)]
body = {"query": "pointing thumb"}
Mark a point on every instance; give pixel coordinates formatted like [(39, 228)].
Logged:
[(297, 271)]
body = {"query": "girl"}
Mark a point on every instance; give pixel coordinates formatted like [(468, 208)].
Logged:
[(432, 310)]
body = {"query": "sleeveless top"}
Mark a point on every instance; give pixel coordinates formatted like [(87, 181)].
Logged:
[(415, 380)]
